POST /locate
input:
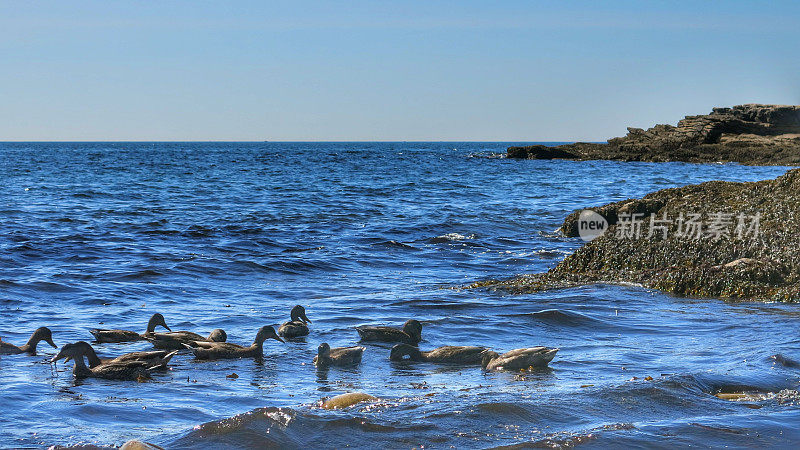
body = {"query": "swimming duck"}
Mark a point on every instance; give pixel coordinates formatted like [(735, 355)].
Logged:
[(41, 334), (175, 340), (226, 350), (110, 336), (128, 370), (339, 356), (411, 333), (449, 354), (297, 326), (157, 358), (519, 359)]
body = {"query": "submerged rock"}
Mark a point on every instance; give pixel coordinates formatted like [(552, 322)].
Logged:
[(747, 134), (347, 400), (139, 445), (715, 239)]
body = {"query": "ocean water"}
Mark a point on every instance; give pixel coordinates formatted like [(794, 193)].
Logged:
[(232, 235)]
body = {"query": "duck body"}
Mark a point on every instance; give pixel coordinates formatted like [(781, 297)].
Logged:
[(115, 336), (338, 356), (41, 334), (226, 350), (519, 359), (297, 326), (222, 350), (291, 330), (449, 354), (177, 340), (154, 359), (411, 333), (125, 371)]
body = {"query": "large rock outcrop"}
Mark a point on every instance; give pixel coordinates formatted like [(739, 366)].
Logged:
[(747, 134), (743, 244)]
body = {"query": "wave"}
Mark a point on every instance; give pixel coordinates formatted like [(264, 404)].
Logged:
[(486, 155), (450, 237), (785, 362), (50, 287), (272, 427), (91, 194), (565, 318), (143, 274), (301, 250), (389, 243), (298, 267), (569, 439)]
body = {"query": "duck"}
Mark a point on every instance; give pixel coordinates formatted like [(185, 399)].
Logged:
[(175, 340), (41, 334), (297, 326), (102, 336), (226, 350), (157, 358), (338, 356), (519, 359), (449, 354), (128, 370), (411, 333)]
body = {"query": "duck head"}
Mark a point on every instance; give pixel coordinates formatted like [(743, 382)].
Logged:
[(41, 334), (89, 353), (401, 351), (267, 332), (414, 329), (75, 352), (218, 335), (298, 314), (324, 351), (156, 321), (488, 356), (80, 348), (70, 351)]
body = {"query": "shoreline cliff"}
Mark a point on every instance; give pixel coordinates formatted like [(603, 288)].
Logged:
[(751, 134)]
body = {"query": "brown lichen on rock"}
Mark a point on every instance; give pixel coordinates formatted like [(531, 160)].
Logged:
[(759, 264), (747, 134)]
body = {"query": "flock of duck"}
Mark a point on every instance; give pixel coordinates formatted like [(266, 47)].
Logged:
[(139, 365)]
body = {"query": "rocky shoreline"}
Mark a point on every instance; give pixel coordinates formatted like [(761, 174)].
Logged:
[(750, 134), (715, 239)]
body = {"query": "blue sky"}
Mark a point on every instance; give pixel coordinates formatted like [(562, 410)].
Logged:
[(432, 70)]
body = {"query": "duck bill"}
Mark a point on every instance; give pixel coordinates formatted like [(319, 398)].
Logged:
[(278, 338), (305, 319), (165, 326), (50, 341), (58, 356)]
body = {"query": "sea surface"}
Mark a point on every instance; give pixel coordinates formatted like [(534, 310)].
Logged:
[(232, 235)]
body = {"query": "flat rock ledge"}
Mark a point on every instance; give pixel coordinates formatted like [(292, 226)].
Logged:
[(747, 134), (716, 239)]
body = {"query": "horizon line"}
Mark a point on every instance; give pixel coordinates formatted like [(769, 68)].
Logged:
[(281, 141)]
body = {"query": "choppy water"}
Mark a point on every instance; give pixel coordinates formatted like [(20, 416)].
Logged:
[(232, 235)]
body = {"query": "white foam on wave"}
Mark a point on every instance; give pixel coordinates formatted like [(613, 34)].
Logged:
[(455, 237)]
